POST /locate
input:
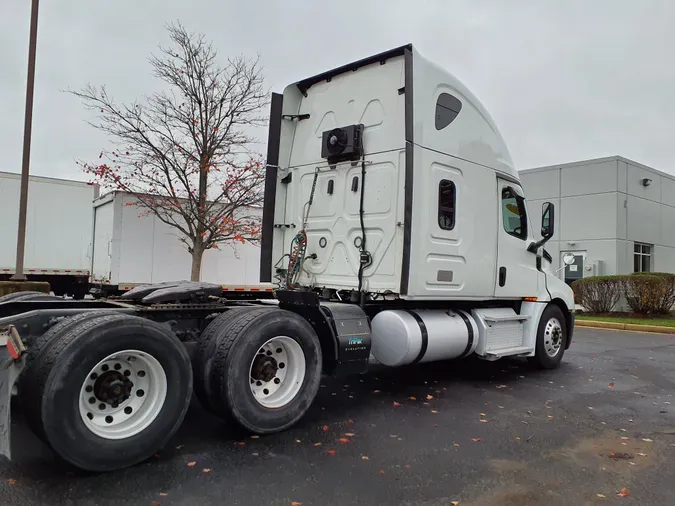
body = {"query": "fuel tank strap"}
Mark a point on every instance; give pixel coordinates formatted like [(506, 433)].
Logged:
[(469, 340), (425, 336)]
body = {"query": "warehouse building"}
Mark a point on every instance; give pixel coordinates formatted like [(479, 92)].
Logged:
[(615, 215)]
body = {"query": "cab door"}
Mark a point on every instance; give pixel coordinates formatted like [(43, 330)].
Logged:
[(517, 274)]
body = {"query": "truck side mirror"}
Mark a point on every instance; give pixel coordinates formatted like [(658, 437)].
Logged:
[(547, 220)]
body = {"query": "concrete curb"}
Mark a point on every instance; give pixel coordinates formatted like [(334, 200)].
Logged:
[(625, 326)]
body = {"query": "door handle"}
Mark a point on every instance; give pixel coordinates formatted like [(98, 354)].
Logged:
[(502, 276)]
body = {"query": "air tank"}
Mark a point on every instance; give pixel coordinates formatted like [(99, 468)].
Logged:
[(402, 337)]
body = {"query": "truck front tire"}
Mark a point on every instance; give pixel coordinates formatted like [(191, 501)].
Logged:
[(552, 338), (112, 390), (267, 369)]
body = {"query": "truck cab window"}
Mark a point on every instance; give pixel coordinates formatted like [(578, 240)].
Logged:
[(446, 204), (514, 214)]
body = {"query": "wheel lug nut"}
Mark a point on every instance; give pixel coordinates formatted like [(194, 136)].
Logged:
[(108, 419), (141, 374), (277, 381), (92, 400), (128, 410), (101, 406)]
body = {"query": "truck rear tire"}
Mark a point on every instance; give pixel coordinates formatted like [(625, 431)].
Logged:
[(29, 381), (551, 338), (112, 389), (202, 361), (267, 369)]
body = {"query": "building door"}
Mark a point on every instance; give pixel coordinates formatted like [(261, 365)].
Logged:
[(574, 270)]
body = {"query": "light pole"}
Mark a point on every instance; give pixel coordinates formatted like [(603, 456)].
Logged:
[(25, 163)]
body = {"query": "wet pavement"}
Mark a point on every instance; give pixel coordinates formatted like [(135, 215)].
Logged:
[(483, 434)]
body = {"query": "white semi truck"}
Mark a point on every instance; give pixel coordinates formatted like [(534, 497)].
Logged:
[(396, 229)]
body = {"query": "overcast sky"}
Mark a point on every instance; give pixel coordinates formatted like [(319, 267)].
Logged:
[(563, 79)]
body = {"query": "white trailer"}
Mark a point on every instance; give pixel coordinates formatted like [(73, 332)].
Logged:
[(133, 247), (58, 231), (395, 224)]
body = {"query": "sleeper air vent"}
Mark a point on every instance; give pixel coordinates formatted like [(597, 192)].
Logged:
[(342, 144)]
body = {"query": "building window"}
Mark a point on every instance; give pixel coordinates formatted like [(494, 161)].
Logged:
[(447, 109), (446, 204), (642, 258), (514, 215)]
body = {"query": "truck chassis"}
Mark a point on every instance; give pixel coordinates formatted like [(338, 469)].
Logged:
[(106, 383)]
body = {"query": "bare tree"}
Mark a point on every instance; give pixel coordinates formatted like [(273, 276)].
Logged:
[(185, 152)]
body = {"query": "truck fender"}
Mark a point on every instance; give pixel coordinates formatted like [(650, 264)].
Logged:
[(343, 330)]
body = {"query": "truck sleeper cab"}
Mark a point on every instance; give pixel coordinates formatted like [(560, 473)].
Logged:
[(397, 232)]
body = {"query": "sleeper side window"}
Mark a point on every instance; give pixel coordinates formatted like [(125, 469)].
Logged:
[(514, 215), (447, 109), (446, 204)]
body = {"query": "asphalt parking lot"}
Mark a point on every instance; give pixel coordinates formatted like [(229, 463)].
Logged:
[(482, 434)]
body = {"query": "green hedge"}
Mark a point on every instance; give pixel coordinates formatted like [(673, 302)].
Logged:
[(645, 293)]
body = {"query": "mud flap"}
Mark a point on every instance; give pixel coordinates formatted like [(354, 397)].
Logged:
[(11, 365)]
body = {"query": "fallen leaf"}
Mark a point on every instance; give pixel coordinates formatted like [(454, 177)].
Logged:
[(363, 457), (517, 438), (156, 503), (482, 414), (624, 492), (430, 397), (255, 436), (393, 436), (206, 470), (296, 503), (163, 494), (179, 447), (241, 443), (475, 439), (412, 398), (11, 481), (483, 420), (456, 445), (396, 404), (325, 428), (647, 440), (349, 434), (376, 391), (381, 471), (435, 426), (454, 503), (256, 454), (344, 440), (500, 386), (192, 464), (331, 452), (434, 411), (642, 454), (350, 422), (550, 417), (601, 496), (611, 385), (624, 437), (317, 444), (298, 441)]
